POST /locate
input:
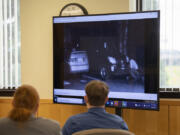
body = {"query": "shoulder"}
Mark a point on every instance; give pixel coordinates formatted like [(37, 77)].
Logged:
[(119, 120), (5, 123), (48, 123), (75, 120), (115, 117), (78, 117), (73, 124), (4, 120)]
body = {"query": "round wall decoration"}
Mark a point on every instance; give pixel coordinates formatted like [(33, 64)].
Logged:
[(73, 9)]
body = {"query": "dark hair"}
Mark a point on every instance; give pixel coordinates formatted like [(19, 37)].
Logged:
[(96, 91), (25, 102)]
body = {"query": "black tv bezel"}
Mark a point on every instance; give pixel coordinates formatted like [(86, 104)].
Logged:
[(158, 60)]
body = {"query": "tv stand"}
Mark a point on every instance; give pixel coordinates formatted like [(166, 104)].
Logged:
[(118, 111)]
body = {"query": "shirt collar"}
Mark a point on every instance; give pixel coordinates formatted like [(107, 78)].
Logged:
[(96, 109)]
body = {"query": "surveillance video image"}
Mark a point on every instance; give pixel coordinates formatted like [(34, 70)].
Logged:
[(112, 51)]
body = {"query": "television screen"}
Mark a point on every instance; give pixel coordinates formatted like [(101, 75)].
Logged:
[(120, 49)]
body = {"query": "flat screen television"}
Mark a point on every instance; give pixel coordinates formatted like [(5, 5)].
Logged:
[(121, 49)]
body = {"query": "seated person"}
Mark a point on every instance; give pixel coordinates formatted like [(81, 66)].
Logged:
[(96, 117), (22, 118)]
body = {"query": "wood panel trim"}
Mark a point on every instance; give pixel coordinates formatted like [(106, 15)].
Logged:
[(46, 101), (170, 102), (5, 100), (163, 101)]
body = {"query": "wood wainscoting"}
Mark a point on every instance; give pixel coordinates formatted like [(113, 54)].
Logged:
[(141, 122)]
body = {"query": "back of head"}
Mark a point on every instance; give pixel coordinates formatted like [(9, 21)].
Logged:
[(25, 103), (97, 92)]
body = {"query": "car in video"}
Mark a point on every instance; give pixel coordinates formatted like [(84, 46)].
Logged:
[(77, 62), (107, 66)]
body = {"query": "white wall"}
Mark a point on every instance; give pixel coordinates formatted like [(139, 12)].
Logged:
[(36, 37)]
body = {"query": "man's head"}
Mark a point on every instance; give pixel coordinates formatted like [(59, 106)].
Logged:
[(96, 93)]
